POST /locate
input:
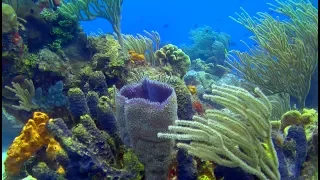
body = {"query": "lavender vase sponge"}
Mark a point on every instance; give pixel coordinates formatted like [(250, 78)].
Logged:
[(143, 110)]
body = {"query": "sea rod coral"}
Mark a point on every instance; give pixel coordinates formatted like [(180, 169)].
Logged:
[(287, 52), (226, 139)]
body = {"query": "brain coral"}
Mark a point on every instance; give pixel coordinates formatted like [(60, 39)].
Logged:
[(171, 55)]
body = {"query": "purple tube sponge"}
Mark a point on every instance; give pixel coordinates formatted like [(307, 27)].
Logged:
[(77, 103), (143, 110), (292, 154)]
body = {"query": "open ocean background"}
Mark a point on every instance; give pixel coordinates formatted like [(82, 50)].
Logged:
[(181, 16)]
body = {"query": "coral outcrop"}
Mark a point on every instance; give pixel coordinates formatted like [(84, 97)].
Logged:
[(89, 155), (175, 60)]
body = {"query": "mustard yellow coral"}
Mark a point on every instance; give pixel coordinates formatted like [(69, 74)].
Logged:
[(33, 136), (131, 162), (192, 89), (136, 57), (53, 148), (308, 116)]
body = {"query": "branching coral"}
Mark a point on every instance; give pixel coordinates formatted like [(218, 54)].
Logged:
[(143, 45), (280, 104), (25, 95), (287, 51), (241, 140), (86, 10)]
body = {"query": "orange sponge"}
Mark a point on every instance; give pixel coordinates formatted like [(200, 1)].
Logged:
[(33, 136), (136, 57)]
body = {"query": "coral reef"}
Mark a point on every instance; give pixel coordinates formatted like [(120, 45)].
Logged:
[(202, 80), (63, 29), (51, 67), (208, 45), (89, 155), (53, 63), (108, 57)]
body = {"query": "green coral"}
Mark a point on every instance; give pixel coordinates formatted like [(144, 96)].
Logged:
[(25, 95), (131, 162), (49, 15), (308, 118), (85, 72), (31, 60), (108, 57), (9, 18), (25, 64), (56, 45), (63, 28), (183, 97), (171, 55)]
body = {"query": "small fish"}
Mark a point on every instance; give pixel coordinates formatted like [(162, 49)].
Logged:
[(207, 30), (165, 25), (195, 26)]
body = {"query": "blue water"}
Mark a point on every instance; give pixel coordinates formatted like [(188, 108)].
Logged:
[(181, 16)]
